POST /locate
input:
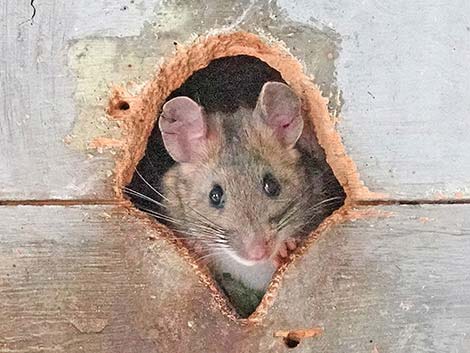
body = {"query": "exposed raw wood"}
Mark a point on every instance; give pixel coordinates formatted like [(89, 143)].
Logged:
[(89, 279)]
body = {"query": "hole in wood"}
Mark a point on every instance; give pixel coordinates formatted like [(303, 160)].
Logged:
[(292, 338), (291, 342), (234, 168), (123, 105)]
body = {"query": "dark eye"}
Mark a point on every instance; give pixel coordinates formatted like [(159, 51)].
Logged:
[(216, 196), (271, 186)]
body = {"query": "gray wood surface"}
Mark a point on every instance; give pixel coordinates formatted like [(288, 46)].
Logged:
[(95, 279), (83, 279), (403, 74), (394, 284), (401, 67)]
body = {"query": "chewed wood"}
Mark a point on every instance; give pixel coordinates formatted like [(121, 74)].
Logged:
[(197, 55)]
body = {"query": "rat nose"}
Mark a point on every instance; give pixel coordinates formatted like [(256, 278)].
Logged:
[(257, 251)]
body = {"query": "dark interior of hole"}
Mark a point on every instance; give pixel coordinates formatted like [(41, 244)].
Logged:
[(224, 85), (123, 105), (291, 342)]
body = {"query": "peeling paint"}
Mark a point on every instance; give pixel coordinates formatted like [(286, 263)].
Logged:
[(100, 63)]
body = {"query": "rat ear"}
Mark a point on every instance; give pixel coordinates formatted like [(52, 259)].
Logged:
[(279, 108), (184, 129)]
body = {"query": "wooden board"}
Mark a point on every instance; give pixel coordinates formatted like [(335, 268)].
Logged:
[(82, 279), (401, 68), (92, 279), (95, 279), (402, 73), (37, 108), (396, 284)]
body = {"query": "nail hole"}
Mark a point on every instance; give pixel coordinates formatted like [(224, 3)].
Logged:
[(291, 342), (123, 105)]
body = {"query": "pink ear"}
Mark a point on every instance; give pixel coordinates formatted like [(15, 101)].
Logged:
[(279, 108), (183, 128)]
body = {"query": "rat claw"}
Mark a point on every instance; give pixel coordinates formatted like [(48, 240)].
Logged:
[(291, 244), (283, 250)]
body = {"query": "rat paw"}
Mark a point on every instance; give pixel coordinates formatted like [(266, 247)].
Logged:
[(284, 251)]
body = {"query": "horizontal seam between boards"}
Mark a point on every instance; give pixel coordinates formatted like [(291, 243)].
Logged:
[(411, 202), (58, 202), (124, 202)]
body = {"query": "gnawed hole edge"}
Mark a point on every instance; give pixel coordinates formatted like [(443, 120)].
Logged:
[(225, 85), (138, 121)]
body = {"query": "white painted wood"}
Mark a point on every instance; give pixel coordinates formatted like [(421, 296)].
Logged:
[(402, 69), (37, 109)]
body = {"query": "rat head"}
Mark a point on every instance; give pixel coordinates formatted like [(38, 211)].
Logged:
[(239, 187)]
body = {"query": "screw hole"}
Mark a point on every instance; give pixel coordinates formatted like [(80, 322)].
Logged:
[(291, 342), (123, 105)]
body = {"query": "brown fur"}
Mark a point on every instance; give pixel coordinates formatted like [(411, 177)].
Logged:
[(241, 150)]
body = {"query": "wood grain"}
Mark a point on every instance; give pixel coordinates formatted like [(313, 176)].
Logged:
[(85, 279), (398, 283), (96, 279), (37, 108)]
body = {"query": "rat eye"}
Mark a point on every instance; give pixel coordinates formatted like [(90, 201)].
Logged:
[(216, 196), (271, 186)]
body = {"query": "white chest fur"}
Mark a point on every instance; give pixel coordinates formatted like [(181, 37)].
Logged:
[(256, 276)]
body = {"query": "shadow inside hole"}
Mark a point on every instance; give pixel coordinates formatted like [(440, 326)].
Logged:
[(291, 342), (123, 105), (225, 85)]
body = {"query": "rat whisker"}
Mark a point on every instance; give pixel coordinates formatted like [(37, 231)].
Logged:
[(336, 198), (142, 196), (157, 214), (208, 222), (215, 245), (191, 232), (212, 254), (197, 232), (297, 212), (287, 220), (150, 186)]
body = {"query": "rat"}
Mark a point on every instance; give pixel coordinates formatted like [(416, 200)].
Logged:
[(242, 192)]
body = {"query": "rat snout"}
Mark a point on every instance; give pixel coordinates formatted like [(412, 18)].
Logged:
[(258, 250)]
